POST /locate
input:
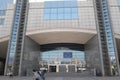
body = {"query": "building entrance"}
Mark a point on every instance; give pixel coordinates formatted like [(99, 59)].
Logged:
[(2, 65), (52, 68), (62, 60)]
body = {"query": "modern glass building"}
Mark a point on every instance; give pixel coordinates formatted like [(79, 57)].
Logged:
[(70, 36)]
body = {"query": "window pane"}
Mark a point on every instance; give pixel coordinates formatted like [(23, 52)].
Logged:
[(54, 4), (2, 21), (75, 16), (47, 4), (67, 10), (60, 3), (46, 11), (74, 3), (119, 2), (46, 16), (60, 10), (60, 16), (53, 16), (2, 12), (67, 16), (67, 3), (74, 10), (53, 11)]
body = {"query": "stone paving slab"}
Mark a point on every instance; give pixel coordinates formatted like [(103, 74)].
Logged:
[(61, 78)]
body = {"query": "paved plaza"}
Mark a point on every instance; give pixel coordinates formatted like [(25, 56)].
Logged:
[(63, 78)]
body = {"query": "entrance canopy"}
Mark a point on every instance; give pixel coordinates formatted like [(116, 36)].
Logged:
[(62, 35)]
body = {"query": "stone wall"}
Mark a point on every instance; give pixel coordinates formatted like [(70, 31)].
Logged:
[(30, 58), (92, 54)]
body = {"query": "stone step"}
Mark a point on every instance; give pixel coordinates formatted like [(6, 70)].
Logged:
[(61, 78)]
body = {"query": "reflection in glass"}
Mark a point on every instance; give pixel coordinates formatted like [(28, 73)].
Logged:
[(2, 21), (50, 56), (110, 39), (2, 12), (47, 11), (60, 10), (46, 16), (74, 16), (13, 40), (119, 3), (53, 11), (67, 16), (74, 10), (67, 10), (53, 16), (61, 16)]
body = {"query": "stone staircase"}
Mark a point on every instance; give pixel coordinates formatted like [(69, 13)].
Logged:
[(61, 78)]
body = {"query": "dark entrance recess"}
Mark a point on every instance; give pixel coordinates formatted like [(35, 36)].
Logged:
[(52, 68), (54, 46), (2, 65)]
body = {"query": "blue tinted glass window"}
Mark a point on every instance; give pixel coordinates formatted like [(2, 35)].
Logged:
[(53, 11), (47, 11), (74, 3), (3, 4), (67, 4), (60, 4), (61, 16), (60, 54), (54, 3), (74, 10), (53, 16), (2, 21), (74, 16), (67, 16), (47, 4), (2, 12), (46, 16), (61, 10), (108, 28), (119, 2), (67, 10)]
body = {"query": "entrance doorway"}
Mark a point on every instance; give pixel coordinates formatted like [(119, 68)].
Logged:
[(52, 69), (1, 68)]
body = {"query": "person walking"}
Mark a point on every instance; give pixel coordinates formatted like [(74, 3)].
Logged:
[(43, 74), (37, 75)]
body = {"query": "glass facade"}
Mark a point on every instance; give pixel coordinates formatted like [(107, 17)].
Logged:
[(119, 3), (62, 56), (109, 35), (14, 35), (3, 4), (60, 10), (2, 12), (2, 21)]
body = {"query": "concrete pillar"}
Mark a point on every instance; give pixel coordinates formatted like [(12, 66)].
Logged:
[(66, 68), (75, 67), (57, 68), (48, 68)]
